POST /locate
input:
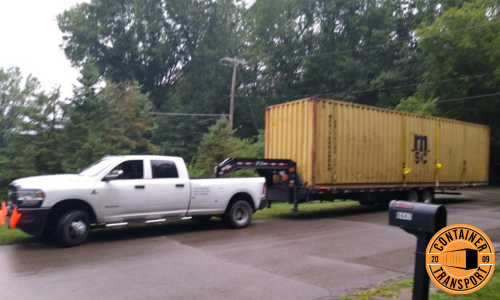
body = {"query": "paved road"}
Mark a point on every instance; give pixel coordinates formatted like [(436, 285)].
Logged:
[(317, 257)]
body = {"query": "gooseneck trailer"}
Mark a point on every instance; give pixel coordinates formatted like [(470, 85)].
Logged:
[(317, 149)]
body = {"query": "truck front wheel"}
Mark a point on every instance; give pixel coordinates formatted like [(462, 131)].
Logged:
[(73, 228), (238, 215)]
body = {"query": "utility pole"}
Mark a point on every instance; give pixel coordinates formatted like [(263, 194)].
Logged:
[(235, 62)]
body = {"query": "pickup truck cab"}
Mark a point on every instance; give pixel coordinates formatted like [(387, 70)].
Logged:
[(123, 190)]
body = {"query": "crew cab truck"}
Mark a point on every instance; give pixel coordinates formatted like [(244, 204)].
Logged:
[(319, 149), (123, 190)]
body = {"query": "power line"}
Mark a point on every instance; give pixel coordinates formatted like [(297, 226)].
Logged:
[(188, 114), (413, 85), (391, 43), (452, 100), (198, 122)]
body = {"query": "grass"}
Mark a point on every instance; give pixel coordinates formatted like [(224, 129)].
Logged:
[(311, 210), (490, 291), (13, 236), (381, 289)]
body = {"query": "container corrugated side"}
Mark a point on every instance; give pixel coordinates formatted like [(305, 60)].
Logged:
[(343, 144)]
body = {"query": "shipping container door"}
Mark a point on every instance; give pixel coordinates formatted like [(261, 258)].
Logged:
[(420, 148), (451, 151), (289, 135), (476, 153)]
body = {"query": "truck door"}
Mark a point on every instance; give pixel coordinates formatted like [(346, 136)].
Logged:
[(168, 194), (126, 197)]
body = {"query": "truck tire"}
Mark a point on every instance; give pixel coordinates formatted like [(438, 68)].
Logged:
[(238, 215), (73, 228), (412, 196), (426, 196)]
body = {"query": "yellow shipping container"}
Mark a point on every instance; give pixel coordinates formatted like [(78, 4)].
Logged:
[(342, 144)]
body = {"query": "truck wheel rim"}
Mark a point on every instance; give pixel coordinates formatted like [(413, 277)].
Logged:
[(240, 215), (77, 228)]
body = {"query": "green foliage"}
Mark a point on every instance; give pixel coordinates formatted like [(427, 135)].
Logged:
[(462, 59), (380, 290), (15, 94), (171, 48), (216, 145), (14, 236), (194, 169), (30, 128), (41, 134), (114, 120), (137, 57), (418, 106), (490, 291)]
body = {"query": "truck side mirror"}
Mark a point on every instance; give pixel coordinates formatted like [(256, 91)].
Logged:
[(113, 175)]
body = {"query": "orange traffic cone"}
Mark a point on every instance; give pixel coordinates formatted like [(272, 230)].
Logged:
[(3, 213), (14, 218)]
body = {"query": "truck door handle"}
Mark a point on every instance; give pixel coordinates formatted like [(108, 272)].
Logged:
[(140, 187), (179, 185)]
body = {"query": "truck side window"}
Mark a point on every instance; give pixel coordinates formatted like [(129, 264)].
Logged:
[(132, 169), (164, 169)]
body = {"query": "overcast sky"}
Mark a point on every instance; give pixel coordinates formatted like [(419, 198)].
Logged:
[(30, 39)]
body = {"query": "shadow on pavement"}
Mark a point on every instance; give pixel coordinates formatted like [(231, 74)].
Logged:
[(333, 212), (165, 229)]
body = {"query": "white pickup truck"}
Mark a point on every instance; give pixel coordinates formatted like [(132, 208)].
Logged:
[(122, 190)]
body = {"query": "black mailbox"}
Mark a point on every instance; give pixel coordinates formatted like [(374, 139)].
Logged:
[(412, 216), (423, 221)]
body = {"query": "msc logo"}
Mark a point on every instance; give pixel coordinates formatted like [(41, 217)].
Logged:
[(420, 149)]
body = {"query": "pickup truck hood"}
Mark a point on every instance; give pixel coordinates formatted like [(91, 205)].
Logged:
[(38, 182)]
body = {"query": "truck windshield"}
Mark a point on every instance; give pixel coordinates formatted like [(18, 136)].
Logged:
[(95, 168)]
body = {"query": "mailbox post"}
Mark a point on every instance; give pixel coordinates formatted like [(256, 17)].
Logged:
[(423, 221)]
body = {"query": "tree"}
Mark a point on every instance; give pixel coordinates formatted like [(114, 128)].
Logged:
[(30, 128), (216, 145), (34, 145), (171, 48), (114, 120), (15, 94), (462, 61), (153, 42)]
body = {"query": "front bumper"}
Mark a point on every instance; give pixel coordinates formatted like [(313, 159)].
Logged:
[(32, 220), (263, 203)]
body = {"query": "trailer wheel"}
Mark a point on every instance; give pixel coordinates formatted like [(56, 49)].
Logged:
[(412, 196), (238, 215), (426, 196)]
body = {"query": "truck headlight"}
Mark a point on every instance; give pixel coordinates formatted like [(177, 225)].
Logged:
[(30, 198)]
